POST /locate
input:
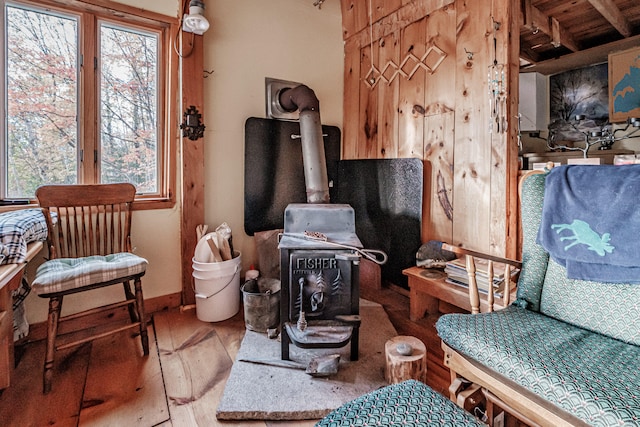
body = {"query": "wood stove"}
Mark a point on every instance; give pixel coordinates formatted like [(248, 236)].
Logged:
[(319, 273)]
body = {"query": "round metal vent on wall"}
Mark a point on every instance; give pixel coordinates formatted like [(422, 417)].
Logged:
[(274, 110)]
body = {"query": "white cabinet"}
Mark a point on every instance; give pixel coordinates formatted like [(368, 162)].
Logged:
[(533, 102)]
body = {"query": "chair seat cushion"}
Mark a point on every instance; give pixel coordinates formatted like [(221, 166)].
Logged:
[(589, 375), (66, 274), (409, 403)]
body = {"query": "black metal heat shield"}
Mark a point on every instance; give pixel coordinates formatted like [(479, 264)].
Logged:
[(274, 172)]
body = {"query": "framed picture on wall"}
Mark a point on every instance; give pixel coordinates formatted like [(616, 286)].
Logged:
[(583, 92), (624, 82)]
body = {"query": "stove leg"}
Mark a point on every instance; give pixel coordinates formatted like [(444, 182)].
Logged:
[(284, 341), (355, 339)]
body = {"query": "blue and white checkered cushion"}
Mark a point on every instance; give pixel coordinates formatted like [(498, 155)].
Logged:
[(17, 229), (63, 274)]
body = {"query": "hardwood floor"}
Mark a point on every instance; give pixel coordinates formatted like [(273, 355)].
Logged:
[(179, 384)]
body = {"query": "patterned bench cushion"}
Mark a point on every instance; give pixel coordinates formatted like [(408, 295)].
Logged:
[(409, 403), (589, 375), (607, 308), (534, 257), (63, 274), (17, 229)]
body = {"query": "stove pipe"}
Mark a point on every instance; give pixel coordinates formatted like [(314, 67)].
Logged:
[(315, 165)]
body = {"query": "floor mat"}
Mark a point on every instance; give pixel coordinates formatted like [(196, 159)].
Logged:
[(272, 393)]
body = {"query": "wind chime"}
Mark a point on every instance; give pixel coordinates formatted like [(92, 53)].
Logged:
[(497, 90)]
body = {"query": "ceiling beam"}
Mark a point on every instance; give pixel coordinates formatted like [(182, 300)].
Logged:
[(556, 33), (535, 20), (572, 61), (529, 55), (611, 13)]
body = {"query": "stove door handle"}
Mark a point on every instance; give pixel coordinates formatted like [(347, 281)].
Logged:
[(375, 255)]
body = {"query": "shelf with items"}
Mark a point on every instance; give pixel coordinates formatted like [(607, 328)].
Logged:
[(458, 275), (428, 287)]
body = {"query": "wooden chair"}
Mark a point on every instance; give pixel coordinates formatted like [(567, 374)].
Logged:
[(89, 247)]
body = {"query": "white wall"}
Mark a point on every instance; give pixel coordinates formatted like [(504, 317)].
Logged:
[(164, 7), (248, 41)]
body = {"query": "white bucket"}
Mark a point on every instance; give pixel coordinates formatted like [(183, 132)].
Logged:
[(217, 289)]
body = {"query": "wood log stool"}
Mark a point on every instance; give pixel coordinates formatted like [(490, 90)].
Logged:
[(406, 358)]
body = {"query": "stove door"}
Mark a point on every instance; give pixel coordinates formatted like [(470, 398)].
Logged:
[(323, 284)]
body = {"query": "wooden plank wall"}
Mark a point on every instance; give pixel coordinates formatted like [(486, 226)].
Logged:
[(192, 193), (440, 116)]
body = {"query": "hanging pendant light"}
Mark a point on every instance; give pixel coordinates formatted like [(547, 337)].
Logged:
[(195, 22)]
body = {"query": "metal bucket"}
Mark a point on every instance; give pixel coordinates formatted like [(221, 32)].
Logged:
[(261, 301)]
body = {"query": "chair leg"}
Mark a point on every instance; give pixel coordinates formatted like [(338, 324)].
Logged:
[(55, 306), (144, 338), (130, 297)]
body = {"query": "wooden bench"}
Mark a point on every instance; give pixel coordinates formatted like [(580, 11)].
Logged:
[(10, 278), (566, 352)]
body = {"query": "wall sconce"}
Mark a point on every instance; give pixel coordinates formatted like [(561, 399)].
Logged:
[(192, 127), (195, 22)]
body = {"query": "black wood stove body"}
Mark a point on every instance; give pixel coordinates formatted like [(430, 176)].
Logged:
[(319, 273)]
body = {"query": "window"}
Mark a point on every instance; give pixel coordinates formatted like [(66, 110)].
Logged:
[(86, 100), (128, 110)]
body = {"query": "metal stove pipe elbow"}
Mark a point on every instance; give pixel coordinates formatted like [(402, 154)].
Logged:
[(301, 98)]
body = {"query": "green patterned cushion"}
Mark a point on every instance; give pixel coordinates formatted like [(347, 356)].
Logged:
[(608, 308), (409, 403), (589, 375), (534, 257), (63, 274)]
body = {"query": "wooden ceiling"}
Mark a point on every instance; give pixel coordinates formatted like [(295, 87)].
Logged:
[(556, 35)]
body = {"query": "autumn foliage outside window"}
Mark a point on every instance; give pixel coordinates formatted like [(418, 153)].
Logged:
[(84, 99)]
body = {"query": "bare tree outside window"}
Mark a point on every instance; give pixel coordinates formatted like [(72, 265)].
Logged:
[(128, 107), (42, 87)]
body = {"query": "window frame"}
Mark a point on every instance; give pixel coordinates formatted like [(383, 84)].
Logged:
[(90, 14)]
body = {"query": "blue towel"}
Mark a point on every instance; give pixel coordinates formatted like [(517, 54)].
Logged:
[(591, 221)]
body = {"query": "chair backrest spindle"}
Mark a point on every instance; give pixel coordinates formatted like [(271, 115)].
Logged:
[(80, 234), (98, 223)]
